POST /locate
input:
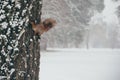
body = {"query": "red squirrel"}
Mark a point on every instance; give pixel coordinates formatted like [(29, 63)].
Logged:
[(44, 26)]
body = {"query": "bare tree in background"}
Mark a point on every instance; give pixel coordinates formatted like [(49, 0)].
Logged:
[(19, 47)]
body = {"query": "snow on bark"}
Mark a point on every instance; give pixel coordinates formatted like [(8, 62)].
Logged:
[(14, 17)]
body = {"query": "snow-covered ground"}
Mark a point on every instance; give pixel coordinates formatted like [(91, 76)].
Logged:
[(80, 64)]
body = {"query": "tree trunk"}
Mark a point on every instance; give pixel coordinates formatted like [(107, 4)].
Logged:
[(27, 62), (19, 47)]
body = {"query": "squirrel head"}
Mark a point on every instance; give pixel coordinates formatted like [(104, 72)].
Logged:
[(44, 26), (49, 23)]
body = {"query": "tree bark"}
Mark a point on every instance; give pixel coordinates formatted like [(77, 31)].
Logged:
[(19, 47), (27, 62)]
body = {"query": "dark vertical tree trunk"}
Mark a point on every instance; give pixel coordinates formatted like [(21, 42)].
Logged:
[(27, 61), (19, 47)]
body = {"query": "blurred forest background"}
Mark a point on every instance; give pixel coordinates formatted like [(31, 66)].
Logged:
[(82, 23)]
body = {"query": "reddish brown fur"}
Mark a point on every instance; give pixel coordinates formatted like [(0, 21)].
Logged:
[(44, 26)]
